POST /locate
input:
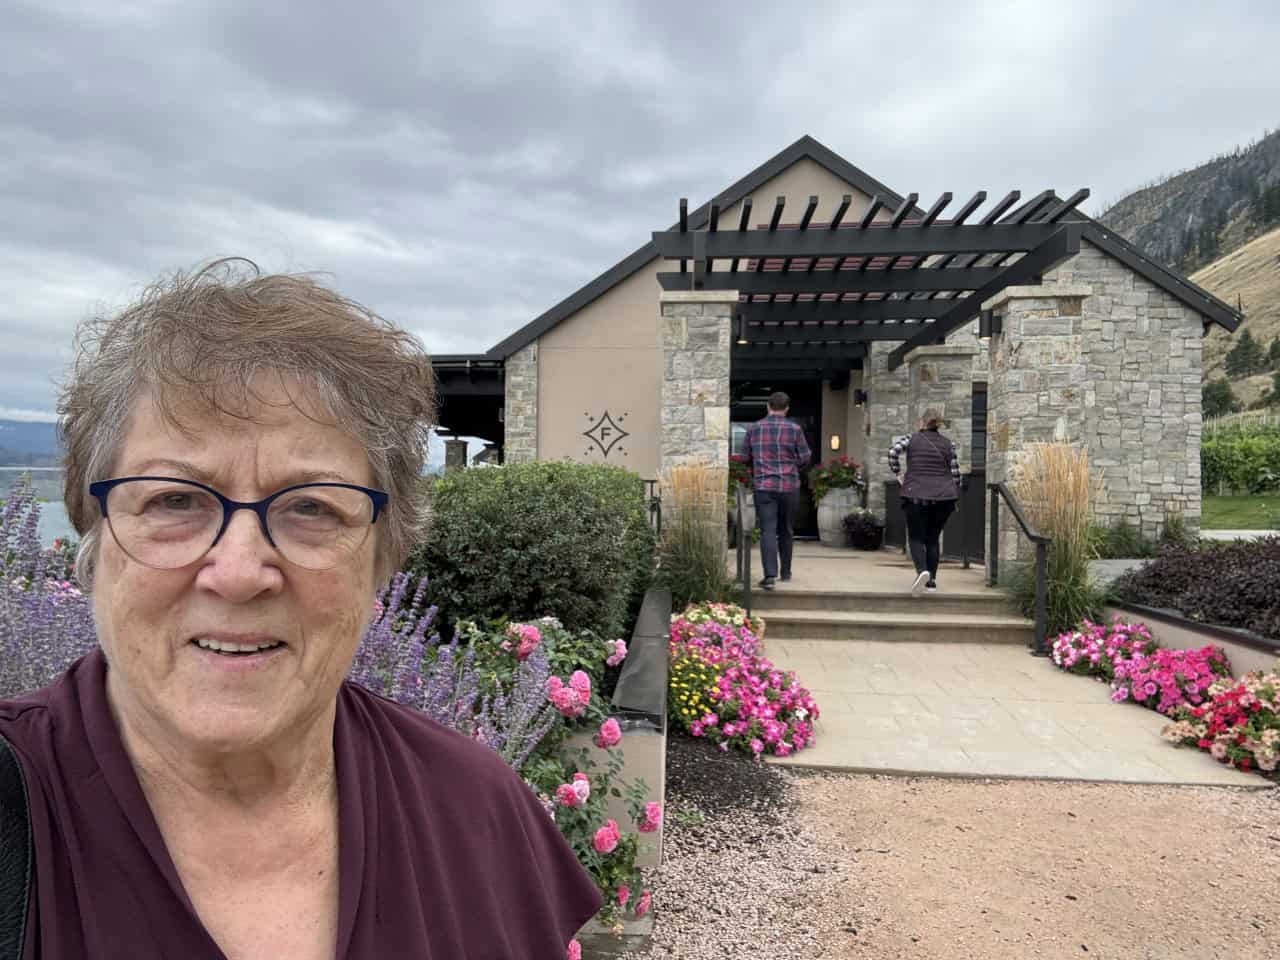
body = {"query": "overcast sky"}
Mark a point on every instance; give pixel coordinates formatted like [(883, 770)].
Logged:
[(461, 170)]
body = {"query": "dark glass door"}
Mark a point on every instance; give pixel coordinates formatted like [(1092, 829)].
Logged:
[(750, 403)]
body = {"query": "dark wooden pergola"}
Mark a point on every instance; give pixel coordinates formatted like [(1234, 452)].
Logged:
[(815, 294)]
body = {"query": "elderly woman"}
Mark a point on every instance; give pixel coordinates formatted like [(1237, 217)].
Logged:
[(243, 456)]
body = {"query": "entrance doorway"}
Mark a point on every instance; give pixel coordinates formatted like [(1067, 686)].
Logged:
[(749, 402)]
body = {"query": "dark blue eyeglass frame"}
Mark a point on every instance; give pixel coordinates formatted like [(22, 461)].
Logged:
[(101, 488)]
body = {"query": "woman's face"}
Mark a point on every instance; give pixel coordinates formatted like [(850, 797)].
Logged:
[(241, 592)]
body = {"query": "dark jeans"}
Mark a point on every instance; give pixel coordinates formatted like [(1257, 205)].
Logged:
[(773, 513), (925, 520)]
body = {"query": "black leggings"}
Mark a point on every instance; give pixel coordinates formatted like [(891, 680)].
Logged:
[(925, 520)]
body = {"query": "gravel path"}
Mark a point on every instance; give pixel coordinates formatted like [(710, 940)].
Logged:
[(760, 861)]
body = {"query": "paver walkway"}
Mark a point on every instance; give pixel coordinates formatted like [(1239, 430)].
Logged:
[(965, 709), (954, 709)]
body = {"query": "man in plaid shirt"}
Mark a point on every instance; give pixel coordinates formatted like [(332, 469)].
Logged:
[(777, 452)]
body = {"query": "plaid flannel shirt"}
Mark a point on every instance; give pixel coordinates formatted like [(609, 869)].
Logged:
[(776, 451)]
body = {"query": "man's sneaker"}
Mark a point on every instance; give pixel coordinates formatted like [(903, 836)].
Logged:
[(786, 577), (766, 583), (931, 586), (922, 578)]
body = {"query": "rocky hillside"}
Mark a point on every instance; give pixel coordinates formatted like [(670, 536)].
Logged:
[(1250, 276), (1194, 217)]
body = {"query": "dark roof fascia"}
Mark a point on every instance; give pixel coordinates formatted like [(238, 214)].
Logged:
[(1177, 286), (806, 146), (1180, 288), (463, 358)]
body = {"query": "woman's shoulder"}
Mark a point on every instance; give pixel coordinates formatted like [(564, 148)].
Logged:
[(411, 737)]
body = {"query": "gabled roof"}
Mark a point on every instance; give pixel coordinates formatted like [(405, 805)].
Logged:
[(1182, 289), (804, 148), (1177, 286)]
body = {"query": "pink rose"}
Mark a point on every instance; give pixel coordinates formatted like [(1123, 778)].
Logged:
[(619, 654), (567, 796), (575, 951), (652, 817), (582, 789), (607, 837), (581, 683), (610, 734), (642, 907), (624, 894)]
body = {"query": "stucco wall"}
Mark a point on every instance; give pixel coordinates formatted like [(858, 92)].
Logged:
[(606, 359)]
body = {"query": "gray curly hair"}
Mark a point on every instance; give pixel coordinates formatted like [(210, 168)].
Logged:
[(199, 339)]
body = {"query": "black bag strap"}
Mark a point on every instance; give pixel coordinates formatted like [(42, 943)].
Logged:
[(16, 855)]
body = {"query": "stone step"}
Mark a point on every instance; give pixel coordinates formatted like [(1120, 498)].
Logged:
[(974, 602), (902, 628)]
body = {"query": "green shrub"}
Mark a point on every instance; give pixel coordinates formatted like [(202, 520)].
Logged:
[(1072, 596), (1243, 461), (1119, 541), (529, 540)]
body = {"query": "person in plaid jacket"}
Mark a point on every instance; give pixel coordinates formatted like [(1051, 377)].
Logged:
[(776, 451)]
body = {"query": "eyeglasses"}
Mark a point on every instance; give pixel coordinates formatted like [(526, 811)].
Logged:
[(166, 522)]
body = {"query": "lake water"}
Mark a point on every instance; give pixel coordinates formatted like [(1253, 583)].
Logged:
[(46, 483)]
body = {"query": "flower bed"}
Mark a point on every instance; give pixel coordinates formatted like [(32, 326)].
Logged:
[(1126, 656), (724, 690), (1237, 721), (1240, 725)]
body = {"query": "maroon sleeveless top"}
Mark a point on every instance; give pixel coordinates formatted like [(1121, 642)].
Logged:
[(443, 851)]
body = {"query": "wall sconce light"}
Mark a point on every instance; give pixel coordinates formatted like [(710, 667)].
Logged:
[(859, 398), (990, 324), (835, 441), (742, 330)]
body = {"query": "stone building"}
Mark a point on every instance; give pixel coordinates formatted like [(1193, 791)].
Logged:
[(1065, 333)]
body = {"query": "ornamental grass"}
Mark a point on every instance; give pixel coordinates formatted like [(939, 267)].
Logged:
[(692, 550), (1056, 489)]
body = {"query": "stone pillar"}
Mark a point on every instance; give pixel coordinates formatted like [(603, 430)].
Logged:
[(942, 379), (695, 331), (520, 406), (455, 455), (887, 414), (1034, 388)]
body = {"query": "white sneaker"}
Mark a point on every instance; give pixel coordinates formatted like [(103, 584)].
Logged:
[(922, 578)]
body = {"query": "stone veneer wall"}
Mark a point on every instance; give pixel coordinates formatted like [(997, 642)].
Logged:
[(1100, 356), (888, 414), (520, 406), (695, 334), (942, 378)]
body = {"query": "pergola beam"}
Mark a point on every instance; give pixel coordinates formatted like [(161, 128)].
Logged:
[(1062, 245), (880, 241), (811, 333), (837, 281), (834, 311)]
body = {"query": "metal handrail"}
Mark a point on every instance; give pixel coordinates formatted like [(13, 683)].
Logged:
[(1040, 640), (743, 541)]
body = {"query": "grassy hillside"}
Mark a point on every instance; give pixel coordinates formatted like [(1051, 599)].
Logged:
[(1252, 274)]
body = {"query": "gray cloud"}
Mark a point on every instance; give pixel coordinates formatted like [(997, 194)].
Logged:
[(462, 169)]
